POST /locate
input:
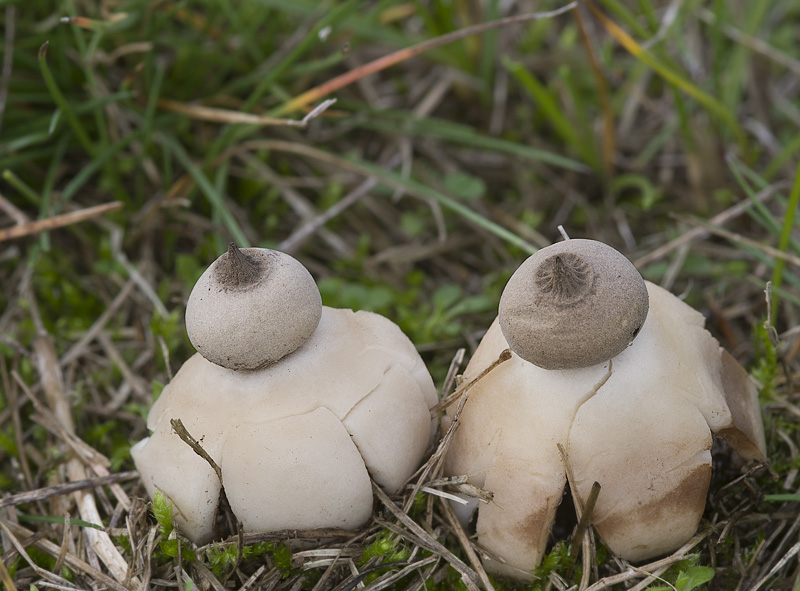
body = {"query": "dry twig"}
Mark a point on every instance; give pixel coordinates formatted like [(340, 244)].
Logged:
[(59, 221)]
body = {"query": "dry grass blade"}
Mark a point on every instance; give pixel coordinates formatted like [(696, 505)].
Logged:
[(43, 573), (771, 251), (14, 531), (284, 535), (79, 348), (409, 52), (632, 572), (402, 573), (41, 494), (186, 437), (304, 232), (462, 390), (59, 221), (754, 43), (464, 541), (52, 382), (585, 518), (15, 213), (434, 463), (468, 576), (696, 234), (227, 116), (5, 577), (793, 551)]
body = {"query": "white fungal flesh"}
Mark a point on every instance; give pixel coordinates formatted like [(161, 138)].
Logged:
[(357, 367), (305, 472)]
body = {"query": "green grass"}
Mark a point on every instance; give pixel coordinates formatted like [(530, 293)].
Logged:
[(478, 149)]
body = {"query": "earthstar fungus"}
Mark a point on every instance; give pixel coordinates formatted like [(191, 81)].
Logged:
[(637, 418), (298, 425)]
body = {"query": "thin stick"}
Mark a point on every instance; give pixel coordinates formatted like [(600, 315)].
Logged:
[(59, 221), (53, 385), (434, 462), (583, 524), (296, 238), (20, 548), (65, 535), (633, 572), (181, 431), (771, 251), (445, 402), (753, 43), (14, 212), (468, 576), (466, 545), (452, 371), (696, 234), (77, 349), (284, 535), (58, 490)]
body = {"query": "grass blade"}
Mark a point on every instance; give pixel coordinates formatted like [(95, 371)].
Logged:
[(455, 132), (207, 188), (334, 84), (394, 181), (62, 103), (551, 112), (646, 57), (786, 236)]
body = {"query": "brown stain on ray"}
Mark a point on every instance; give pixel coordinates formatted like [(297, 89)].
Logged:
[(648, 523), (534, 526)]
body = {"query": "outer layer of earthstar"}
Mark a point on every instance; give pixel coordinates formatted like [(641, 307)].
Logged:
[(298, 439), (639, 424)]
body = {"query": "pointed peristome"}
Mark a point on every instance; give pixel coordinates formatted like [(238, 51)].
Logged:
[(235, 269)]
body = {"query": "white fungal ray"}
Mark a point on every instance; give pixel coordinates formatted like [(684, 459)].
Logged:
[(305, 471)]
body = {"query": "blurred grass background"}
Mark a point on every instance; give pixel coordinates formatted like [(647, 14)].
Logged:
[(668, 129)]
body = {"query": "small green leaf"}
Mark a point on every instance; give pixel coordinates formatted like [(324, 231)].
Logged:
[(648, 194), (162, 511), (282, 555), (447, 295), (693, 577), (464, 186)]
